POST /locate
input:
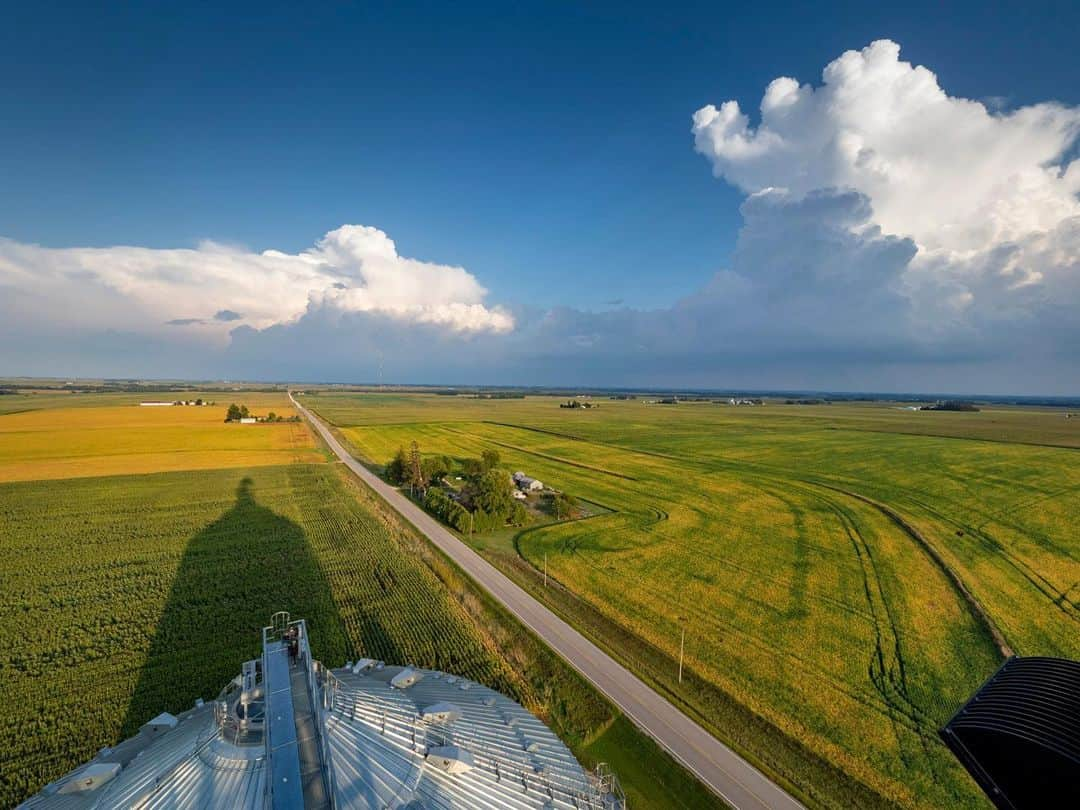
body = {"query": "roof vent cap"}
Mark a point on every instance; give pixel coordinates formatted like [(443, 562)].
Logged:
[(406, 678), (91, 777), (450, 759), (440, 713), (163, 722), (363, 665)]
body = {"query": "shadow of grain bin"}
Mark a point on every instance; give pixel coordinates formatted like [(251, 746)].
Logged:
[(232, 576)]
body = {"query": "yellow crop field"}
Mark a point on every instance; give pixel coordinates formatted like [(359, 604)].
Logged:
[(124, 439)]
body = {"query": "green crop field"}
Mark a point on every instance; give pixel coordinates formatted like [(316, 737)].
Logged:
[(846, 575), (140, 594)]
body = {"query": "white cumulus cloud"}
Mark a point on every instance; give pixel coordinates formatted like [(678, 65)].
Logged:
[(989, 198), (209, 290)]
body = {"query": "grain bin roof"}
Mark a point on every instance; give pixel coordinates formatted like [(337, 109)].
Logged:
[(1019, 735), (379, 736)]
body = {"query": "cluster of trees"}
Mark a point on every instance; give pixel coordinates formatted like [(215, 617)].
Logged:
[(577, 403), (952, 405), (449, 511), (238, 412), (416, 472), (560, 505), (273, 417), (486, 501)]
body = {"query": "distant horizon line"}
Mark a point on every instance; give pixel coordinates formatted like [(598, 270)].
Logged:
[(1035, 398)]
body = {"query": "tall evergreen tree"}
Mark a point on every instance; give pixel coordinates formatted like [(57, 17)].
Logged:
[(489, 459), (415, 470)]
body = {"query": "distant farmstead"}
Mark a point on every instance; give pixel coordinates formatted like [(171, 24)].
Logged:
[(154, 403)]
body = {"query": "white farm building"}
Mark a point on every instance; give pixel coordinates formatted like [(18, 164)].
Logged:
[(527, 483), (290, 733)]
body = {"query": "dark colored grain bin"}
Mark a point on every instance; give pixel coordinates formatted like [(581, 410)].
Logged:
[(1019, 735)]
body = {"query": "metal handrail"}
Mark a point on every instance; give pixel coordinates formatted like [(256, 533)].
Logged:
[(589, 791), (316, 706)]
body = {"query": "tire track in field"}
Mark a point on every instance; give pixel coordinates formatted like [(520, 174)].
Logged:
[(877, 669), (1032, 501), (974, 606), (982, 617), (872, 699), (579, 464), (782, 496), (890, 677), (812, 483), (659, 514), (887, 669), (1051, 592), (872, 583)]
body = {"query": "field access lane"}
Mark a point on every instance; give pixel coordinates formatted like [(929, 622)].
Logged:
[(734, 779)]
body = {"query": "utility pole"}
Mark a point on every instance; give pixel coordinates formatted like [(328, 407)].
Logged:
[(682, 647), (545, 569)]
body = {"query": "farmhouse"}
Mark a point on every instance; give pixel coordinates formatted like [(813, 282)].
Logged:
[(526, 483), (248, 420)]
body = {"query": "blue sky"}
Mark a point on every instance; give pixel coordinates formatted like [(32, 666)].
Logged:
[(547, 148)]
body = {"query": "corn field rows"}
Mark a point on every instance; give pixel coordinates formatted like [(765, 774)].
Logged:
[(126, 596)]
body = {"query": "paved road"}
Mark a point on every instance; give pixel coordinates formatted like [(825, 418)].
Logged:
[(730, 776)]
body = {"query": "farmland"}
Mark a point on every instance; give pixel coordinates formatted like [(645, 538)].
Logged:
[(68, 442), (846, 575), (175, 574), (127, 595)]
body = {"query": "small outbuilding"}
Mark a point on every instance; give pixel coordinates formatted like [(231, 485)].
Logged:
[(528, 484)]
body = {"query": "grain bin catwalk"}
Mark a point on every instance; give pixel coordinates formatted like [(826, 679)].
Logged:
[(290, 733)]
